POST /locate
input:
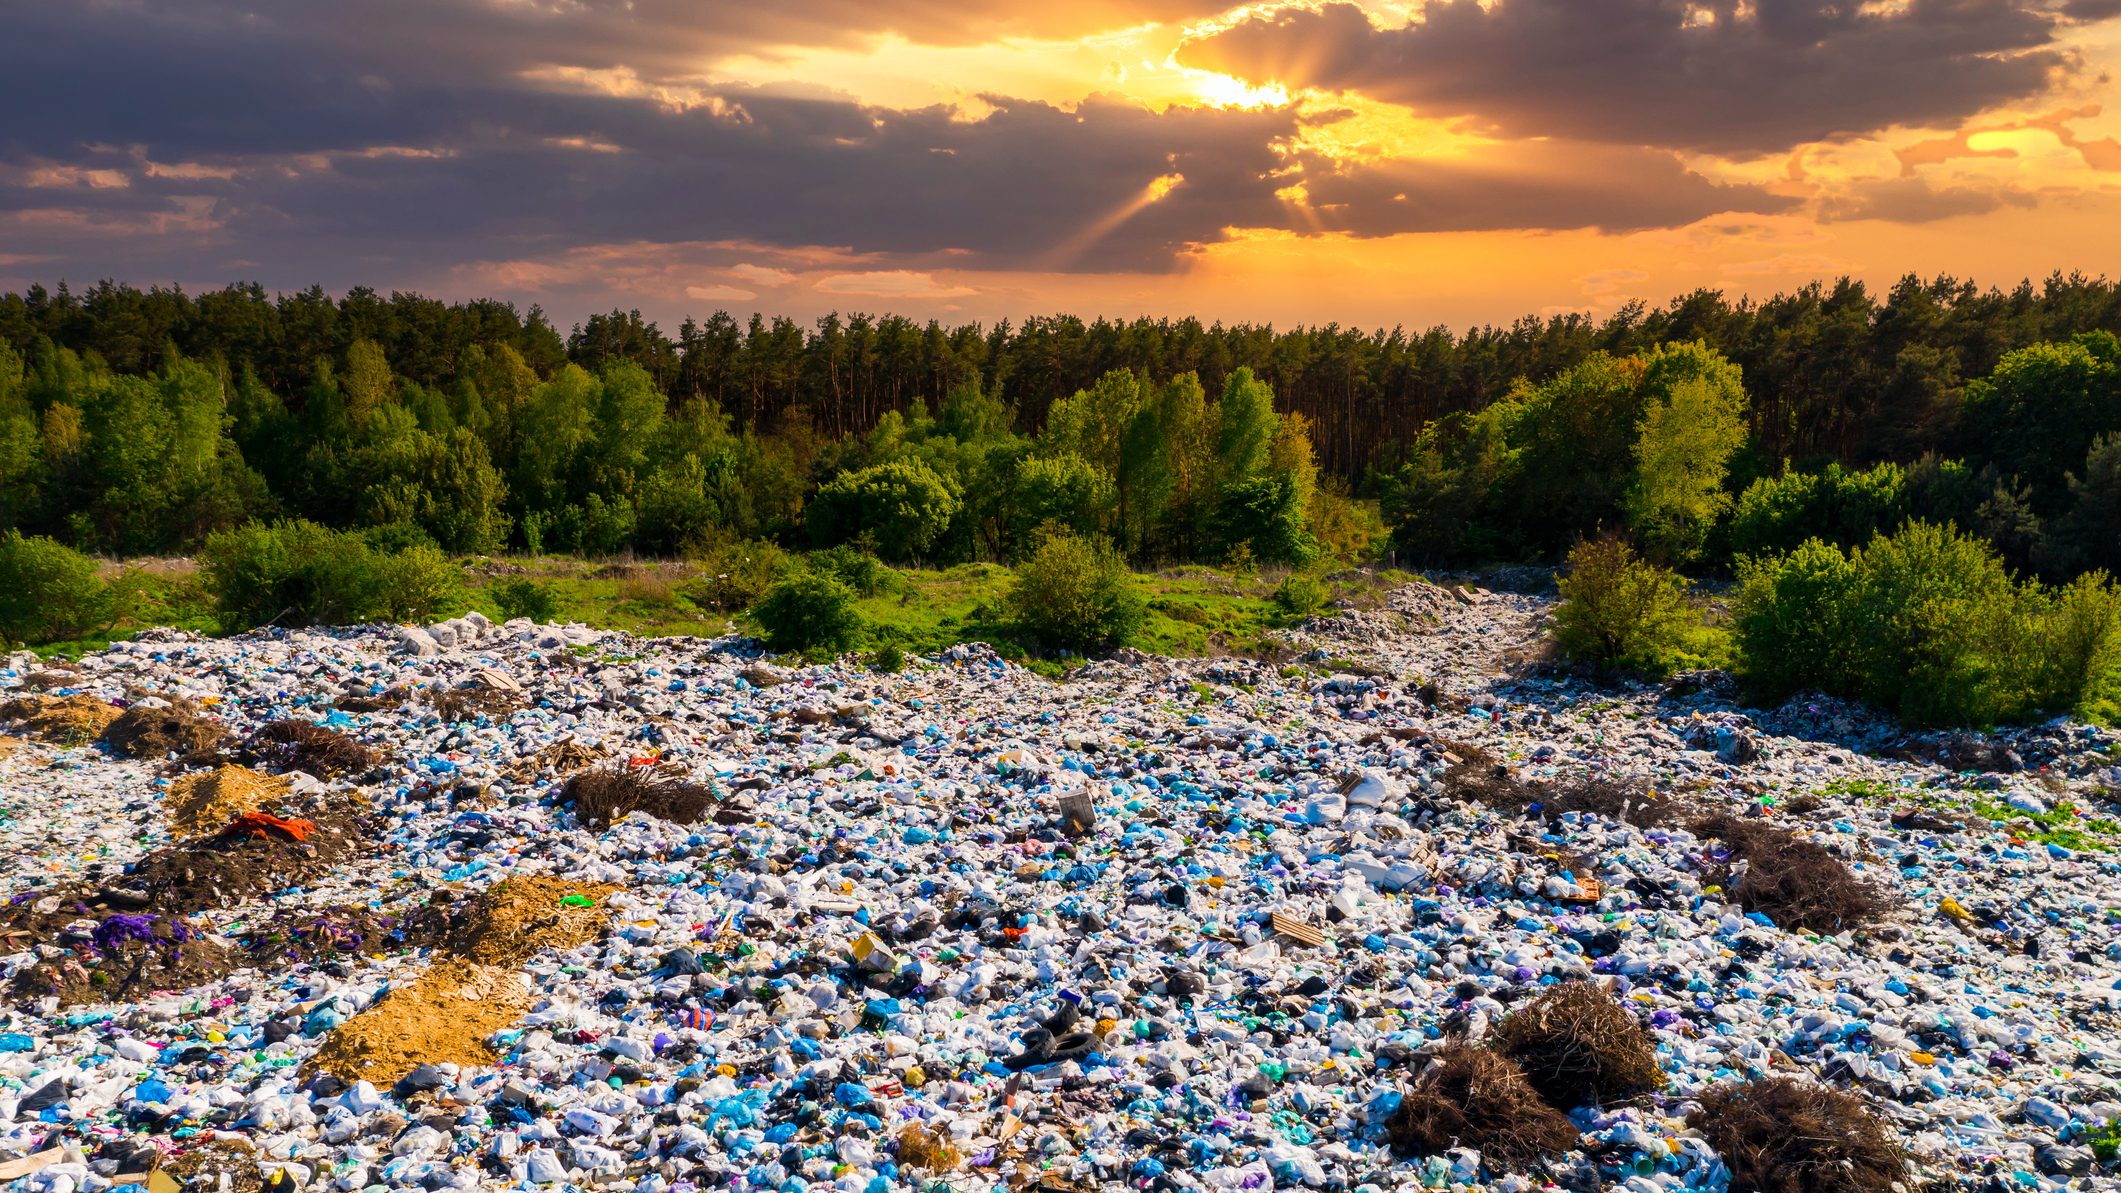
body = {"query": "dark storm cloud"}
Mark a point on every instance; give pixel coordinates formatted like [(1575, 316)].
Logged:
[(1561, 185), (1913, 200), (309, 140), (1715, 75)]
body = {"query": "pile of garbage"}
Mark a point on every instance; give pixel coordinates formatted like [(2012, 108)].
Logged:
[(480, 905)]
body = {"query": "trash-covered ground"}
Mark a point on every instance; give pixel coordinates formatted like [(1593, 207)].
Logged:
[(478, 906)]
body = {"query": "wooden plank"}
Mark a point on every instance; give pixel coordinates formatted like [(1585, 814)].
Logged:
[(1290, 928)]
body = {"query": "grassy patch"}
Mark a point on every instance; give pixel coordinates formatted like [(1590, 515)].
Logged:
[(2060, 825), (2064, 824), (1191, 611)]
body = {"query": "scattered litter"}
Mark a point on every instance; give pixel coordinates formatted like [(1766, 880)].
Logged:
[(472, 905)]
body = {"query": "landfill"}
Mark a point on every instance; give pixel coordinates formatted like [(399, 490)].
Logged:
[(483, 905)]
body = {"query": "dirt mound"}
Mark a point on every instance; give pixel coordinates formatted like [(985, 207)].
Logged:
[(446, 1015), (184, 878), (310, 747), (1793, 882), (126, 959), (256, 860), (314, 936), (603, 797), (59, 675), (1579, 1047), (204, 803), (513, 920), (1472, 1097), (179, 727), (1787, 1136), (61, 720)]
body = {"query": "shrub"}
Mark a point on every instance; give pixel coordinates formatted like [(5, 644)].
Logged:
[(1472, 1097), (295, 572), (903, 505), (1842, 507), (1063, 491), (734, 574), (524, 597), (414, 584), (1781, 1135), (48, 591), (888, 658), (1076, 592), (1302, 594), (860, 571), (1934, 623), (300, 573), (809, 610), (1264, 517), (392, 537), (1927, 622), (1618, 609), (2078, 631), (1792, 616), (1579, 1047)]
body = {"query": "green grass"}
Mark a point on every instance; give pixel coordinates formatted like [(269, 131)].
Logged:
[(2060, 825), (1191, 611), (2064, 824)]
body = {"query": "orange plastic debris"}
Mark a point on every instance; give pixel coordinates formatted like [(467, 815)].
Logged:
[(258, 824)]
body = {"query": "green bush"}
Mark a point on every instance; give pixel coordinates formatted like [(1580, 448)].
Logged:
[(1935, 623), (1061, 490), (809, 610), (525, 597), (300, 573), (734, 574), (888, 658), (1076, 592), (1618, 609), (1927, 622), (902, 506), (392, 537), (414, 584), (1842, 507), (287, 573), (48, 591), (1302, 594), (850, 565), (2078, 628), (1792, 616)]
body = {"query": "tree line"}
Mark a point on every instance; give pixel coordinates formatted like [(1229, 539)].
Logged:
[(143, 420), (1838, 373)]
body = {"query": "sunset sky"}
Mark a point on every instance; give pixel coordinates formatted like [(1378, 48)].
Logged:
[(1453, 161)]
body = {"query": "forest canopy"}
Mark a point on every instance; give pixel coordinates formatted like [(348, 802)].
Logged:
[(145, 420)]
